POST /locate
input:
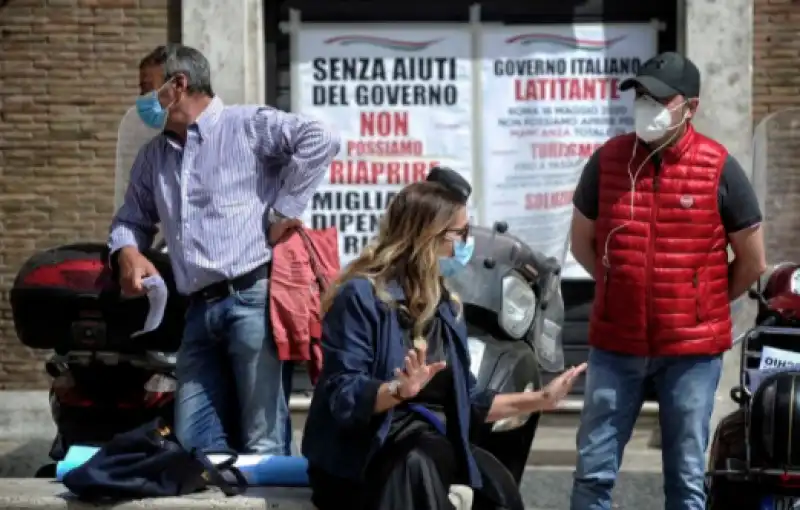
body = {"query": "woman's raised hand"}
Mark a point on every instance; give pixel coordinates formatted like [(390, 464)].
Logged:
[(416, 373), (560, 387)]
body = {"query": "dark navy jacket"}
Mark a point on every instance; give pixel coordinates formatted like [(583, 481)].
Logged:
[(362, 346)]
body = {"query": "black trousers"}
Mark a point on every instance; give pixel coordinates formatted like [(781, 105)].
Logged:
[(415, 472)]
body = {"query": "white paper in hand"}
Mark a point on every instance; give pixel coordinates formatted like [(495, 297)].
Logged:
[(157, 298)]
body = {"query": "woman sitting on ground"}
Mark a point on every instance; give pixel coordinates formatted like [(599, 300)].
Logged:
[(389, 423)]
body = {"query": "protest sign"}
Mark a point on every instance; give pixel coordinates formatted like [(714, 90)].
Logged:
[(550, 99), (401, 99)]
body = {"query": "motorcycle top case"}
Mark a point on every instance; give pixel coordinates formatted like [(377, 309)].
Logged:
[(66, 299)]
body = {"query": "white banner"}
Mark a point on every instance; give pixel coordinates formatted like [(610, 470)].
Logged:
[(550, 98), (402, 100)]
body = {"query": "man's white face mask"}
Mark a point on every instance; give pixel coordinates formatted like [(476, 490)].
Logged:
[(653, 120)]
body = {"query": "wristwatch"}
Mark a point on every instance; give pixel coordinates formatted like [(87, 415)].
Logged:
[(275, 217), (394, 389)]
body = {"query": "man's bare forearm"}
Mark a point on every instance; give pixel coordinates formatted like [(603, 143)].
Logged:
[(741, 276), (585, 256)]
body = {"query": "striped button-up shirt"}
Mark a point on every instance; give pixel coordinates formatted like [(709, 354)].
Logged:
[(212, 195)]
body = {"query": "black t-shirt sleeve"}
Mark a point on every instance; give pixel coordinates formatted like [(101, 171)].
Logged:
[(738, 204), (587, 195)]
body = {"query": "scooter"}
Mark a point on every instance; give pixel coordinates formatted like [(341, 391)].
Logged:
[(104, 381), (754, 463), (508, 292)]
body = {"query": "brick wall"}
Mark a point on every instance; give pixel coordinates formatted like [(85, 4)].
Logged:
[(776, 81), (68, 71)]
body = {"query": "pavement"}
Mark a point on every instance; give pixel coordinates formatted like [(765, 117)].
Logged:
[(26, 431), (635, 491), (543, 487)]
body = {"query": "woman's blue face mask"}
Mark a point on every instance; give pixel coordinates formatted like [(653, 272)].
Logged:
[(462, 254)]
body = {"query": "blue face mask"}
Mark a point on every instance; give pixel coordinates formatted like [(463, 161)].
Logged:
[(150, 110), (462, 253)]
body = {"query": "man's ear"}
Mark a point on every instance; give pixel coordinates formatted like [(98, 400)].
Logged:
[(180, 82), (692, 104)]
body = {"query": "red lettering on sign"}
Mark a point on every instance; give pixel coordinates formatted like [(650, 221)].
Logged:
[(552, 200), (384, 124), (379, 172), (563, 150), (572, 89)]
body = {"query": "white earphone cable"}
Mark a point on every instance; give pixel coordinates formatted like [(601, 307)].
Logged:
[(633, 177)]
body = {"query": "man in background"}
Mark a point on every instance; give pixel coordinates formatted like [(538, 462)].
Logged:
[(151, 70), (133, 132)]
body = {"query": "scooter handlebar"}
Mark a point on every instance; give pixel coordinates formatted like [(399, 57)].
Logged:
[(551, 265), (769, 322)]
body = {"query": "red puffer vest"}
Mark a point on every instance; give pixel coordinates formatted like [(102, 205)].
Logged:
[(661, 269)]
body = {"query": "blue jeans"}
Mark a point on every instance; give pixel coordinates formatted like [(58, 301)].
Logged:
[(615, 390), (233, 330)]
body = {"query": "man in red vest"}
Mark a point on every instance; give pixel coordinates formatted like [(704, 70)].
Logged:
[(655, 212)]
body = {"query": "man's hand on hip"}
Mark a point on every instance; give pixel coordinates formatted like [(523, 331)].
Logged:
[(133, 268), (281, 228)]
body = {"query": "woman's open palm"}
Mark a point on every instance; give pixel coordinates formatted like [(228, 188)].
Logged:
[(560, 387), (416, 373)]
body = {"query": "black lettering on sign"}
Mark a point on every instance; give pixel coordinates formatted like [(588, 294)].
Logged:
[(353, 243), (347, 223), (778, 363), (329, 95), (530, 67), (351, 200), (604, 66), (424, 69), (406, 95), (349, 69)]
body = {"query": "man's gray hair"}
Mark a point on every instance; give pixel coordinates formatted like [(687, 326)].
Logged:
[(193, 65)]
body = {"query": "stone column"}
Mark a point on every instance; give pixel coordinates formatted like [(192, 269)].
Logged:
[(230, 33), (719, 39)]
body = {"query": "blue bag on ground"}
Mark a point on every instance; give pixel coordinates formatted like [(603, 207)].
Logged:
[(272, 470), (77, 455), (149, 462), (264, 470)]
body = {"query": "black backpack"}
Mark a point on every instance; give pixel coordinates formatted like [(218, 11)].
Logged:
[(149, 462)]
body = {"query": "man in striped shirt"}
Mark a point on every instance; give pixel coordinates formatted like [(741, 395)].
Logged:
[(225, 189)]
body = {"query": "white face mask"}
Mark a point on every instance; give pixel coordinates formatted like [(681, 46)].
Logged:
[(653, 120)]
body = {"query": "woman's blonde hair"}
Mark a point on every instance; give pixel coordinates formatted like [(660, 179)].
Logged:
[(406, 251)]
